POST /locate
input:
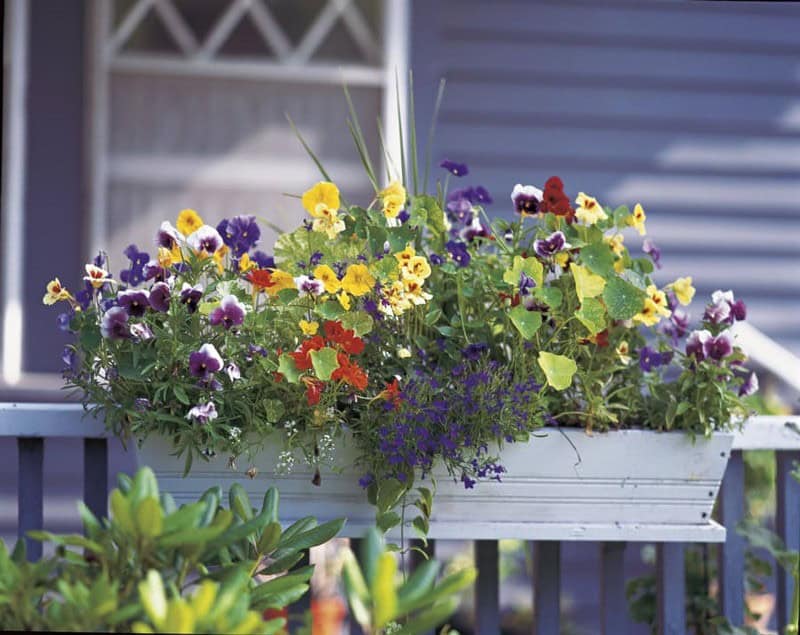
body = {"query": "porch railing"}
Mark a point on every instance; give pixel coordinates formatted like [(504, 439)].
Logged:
[(33, 424)]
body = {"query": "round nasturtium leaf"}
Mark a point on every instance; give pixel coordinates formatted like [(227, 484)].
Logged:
[(527, 322), (558, 369), (623, 300), (587, 285)]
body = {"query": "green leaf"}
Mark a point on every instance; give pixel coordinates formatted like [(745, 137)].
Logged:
[(273, 410), (390, 491), (551, 296), (386, 520), (288, 368), (558, 369), (269, 507), (187, 517), (121, 512), (622, 299), (313, 537), (355, 588), (90, 339), (330, 310), (429, 619), (529, 266), (599, 258), (239, 502), (269, 538), (324, 362), (360, 321), (384, 596), (587, 285), (149, 517), (418, 585), (527, 322), (592, 315)]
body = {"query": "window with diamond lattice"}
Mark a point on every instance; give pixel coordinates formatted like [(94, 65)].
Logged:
[(191, 97)]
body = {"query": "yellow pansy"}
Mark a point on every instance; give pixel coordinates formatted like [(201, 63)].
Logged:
[(637, 219), (55, 292), (417, 268), (397, 302), (414, 292), (394, 199), (309, 328), (587, 284), (344, 300), (245, 264), (649, 315), (623, 352), (327, 276), (281, 280), (188, 222), (684, 290), (358, 280), (588, 210), (329, 223), (659, 298), (561, 258), (168, 257), (324, 196), (616, 242)]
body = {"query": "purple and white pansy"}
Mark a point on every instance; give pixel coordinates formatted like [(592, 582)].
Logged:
[(550, 246)]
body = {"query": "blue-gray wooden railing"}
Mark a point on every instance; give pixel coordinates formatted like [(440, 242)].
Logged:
[(32, 424)]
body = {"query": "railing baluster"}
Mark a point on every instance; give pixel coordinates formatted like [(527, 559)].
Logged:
[(30, 492), (487, 588), (613, 605), (787, 520), (95, 476), (671, 581), (731, 505), (547, 588)]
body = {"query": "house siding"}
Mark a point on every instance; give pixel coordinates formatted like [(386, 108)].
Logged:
[(691, 108)]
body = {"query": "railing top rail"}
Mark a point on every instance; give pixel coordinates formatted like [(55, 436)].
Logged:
[(49, 420), (70, 420)]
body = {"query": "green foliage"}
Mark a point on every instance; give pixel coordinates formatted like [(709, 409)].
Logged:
[(381, 602), (217, 553)]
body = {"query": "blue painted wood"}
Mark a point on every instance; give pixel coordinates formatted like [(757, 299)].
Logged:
[(547, 588), (732, 556), (487, 588), (95, 476), (613, 605), (30, 494), (787, 522), (671, 583)]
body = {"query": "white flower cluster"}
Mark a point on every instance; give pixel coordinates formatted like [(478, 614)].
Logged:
[(286, 462), (326, 447)]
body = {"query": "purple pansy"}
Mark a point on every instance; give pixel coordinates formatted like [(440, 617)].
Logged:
[(476, 229), (697, 344), (526, 198), (435, 259), (458, 252), (232, 371), (459, 206), (134, 276), (141, 331), (230, 312), (650, 358), (720, 346), (526, 283), (366, 480), (205, 362), (724, 309), (205, 239), (114, 325), (481, 195), (190, 296), (455, 168), (306, 285), (550, 246), (168, 237), (71, 361), (159, 297), (134, 302), (63, 320), (650, 248), (203, 413), (240, 234), (750, 386), (263, 260), (678, 323)]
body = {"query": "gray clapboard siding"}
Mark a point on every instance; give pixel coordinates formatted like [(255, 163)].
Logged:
[(692, 109)]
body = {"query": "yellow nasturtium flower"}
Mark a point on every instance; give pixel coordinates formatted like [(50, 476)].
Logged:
[(405, 256), (659, 298), (329, 223), (328, 278), (616, 242), (623, 352), (322, 198), (55, 292), (245, 264), (417, 269), (637, 219), (281, 280), (344, 300), (219, 257), (394, 199), (684, 290), (188, 222), (649, 315), (358, 280), (308, 328), (589, 211)]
